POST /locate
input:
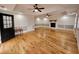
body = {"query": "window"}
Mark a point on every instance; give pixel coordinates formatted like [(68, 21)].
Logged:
[(7, 21)]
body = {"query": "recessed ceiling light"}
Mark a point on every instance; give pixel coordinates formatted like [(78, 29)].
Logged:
[(38, 19), (45, 19), (65, 17)]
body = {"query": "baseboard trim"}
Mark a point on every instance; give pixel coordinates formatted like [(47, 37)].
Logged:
[(25, 31), (28, 30)]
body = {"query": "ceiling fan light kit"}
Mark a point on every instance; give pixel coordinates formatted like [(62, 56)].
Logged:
[(47, 15), (37, 9)]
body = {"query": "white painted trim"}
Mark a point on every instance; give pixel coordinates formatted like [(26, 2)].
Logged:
[(76, 32), (28, 30), (25, 31), (64, 28)]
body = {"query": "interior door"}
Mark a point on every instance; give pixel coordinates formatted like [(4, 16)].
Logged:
[(7, 27)]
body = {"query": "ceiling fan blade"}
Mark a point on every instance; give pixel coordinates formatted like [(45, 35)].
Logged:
[(33, 11), (36, 4), (36, 7), (41, 8)]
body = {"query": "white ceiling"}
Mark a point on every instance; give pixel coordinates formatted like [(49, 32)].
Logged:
[(49, 8)]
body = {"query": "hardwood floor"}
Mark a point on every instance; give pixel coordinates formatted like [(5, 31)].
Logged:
[(77, 35), (42, 41)]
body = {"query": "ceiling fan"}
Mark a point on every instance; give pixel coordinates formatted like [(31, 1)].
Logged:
[(47, 15), (36, 8)]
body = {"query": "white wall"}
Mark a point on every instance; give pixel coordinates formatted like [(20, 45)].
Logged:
[(24, 21), (67, 21), (64, 21), (77, 33), (42, 20), (78, 23), (21, 20)]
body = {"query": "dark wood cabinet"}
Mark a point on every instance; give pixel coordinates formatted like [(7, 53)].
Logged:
[(6, 26)]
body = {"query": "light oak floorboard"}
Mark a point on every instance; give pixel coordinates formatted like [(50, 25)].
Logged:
[(42, 41)]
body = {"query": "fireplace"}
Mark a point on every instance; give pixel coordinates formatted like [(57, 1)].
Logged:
[(52, 24)]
